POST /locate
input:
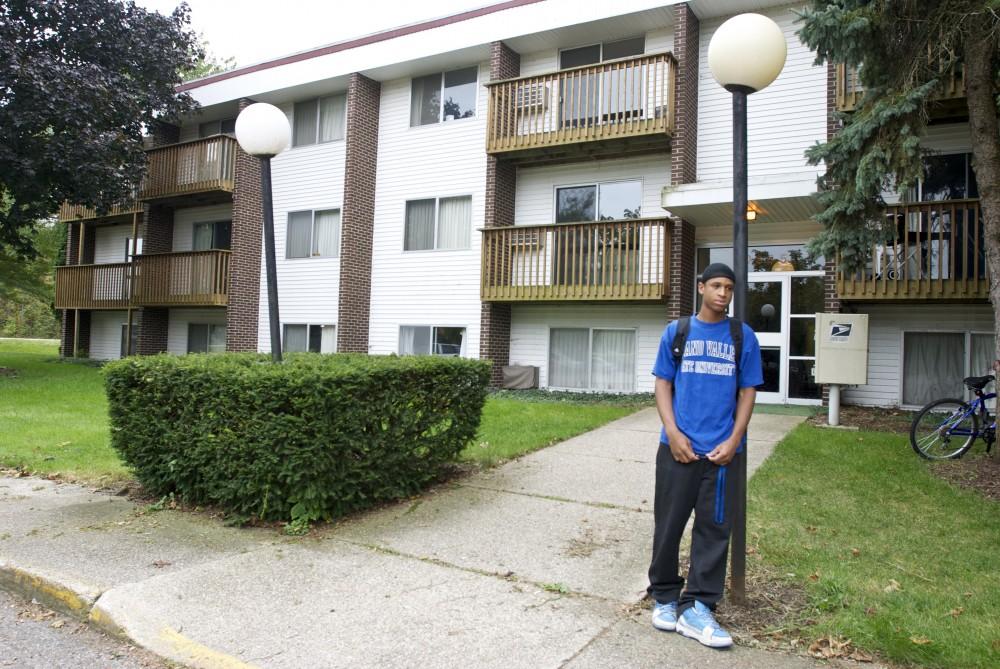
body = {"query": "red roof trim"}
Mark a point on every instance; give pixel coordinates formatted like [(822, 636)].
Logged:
[(361, 41)]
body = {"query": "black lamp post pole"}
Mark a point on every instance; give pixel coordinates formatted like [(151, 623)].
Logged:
[(272, 269), (739, 540)]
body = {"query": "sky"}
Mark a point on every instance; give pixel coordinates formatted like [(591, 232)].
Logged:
[(251, 31)]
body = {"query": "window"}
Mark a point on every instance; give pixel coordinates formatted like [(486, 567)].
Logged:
[(934, 364), (443, 96), (318, 121), (301, 338), (226, 126), (596, 53), (212, 235), (592, 359), (431, 340), (131, 340), (599, 202), (946, 177), (129, 257), (313, 234), (441, 223), (206, 338)]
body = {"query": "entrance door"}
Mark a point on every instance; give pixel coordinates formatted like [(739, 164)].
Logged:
[(781, 309)]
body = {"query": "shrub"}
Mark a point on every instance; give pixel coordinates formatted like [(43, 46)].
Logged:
[(312, 438)]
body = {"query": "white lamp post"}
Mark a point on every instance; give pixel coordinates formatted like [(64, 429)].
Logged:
[(262, 130), (746, 54)]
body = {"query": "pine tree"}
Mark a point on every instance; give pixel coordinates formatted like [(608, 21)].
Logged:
[(903, 50)]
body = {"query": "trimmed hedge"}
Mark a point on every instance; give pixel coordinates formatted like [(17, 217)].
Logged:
[(312, 438)]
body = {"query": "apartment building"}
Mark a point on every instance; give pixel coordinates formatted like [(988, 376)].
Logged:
[(533, 183)]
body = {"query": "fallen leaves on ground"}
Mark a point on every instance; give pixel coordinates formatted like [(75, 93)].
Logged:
[(830, 647)]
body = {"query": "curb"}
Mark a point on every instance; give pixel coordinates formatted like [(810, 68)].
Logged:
[(76, 603)]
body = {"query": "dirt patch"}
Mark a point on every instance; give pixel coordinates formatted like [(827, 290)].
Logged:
[(870, 419), (979, 472), (8, 372)]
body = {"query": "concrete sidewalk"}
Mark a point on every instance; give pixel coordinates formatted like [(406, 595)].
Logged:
[(539, 563)]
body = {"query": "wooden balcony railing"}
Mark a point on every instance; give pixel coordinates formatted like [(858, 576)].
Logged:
[(191, 278), (936, 252), (849, 89), (190, 167), (606, 260), (626, 98), (71, 213)]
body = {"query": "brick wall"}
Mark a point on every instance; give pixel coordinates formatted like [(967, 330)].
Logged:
[(152, 335), (501, 185), (162, 133), (157, 232), (357, 218), (243, 311), (831, 300), (684, 148), (680, 302)]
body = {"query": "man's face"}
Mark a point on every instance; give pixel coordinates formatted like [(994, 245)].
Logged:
[(717, 293)]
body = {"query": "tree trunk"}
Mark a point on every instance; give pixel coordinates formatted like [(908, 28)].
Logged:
[(984, 126)]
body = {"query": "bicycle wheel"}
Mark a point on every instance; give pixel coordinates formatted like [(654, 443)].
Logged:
[(944, 429)]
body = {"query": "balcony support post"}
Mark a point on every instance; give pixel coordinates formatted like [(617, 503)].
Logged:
[(131, 285)]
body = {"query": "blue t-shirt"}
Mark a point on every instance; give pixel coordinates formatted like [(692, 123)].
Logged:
[(705, 385)]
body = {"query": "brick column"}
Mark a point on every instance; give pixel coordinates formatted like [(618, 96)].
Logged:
[(162, 133), (152, 335), (680, 302), (157, 232), (684, 148), (501, 186), (69, 315), (357, 218), (243, 310), (831, 299)]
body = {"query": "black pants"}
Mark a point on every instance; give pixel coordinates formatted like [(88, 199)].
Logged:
[(710, 491)]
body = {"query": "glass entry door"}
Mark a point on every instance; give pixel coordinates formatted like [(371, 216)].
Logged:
[(781, 309)]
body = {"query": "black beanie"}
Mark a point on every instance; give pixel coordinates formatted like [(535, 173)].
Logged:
[(715, 270)]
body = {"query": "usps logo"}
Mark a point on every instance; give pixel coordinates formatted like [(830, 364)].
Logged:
[(840, 332)]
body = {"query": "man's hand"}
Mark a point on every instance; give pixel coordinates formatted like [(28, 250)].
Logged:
[(724, 453), (680, 447)]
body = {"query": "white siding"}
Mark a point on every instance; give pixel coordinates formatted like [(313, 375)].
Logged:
[(184, 220), (177, 329), (438, 160), (106, 334), (536, 186), (109, 243), (660, 40), (886, 324), (189, 132), (530, 325), (784, 119), (303, 178)]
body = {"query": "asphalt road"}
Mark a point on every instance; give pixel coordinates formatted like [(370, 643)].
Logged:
[(32, 637)]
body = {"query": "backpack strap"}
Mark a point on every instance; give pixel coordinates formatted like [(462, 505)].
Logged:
[(736, 333), (680, 337)]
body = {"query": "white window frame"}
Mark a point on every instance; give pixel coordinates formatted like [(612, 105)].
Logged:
[(597, 199), (312, 233), (590, 357), (437, 223), (475, 106), (966, 361), (308, 326), (210, 327), (318, 102), (433, 337)]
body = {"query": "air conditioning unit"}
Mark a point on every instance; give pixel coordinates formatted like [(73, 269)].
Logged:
[(532, 97), (520, 377)]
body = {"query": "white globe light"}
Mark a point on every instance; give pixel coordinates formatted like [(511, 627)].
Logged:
[(748, 50), (262, 130)]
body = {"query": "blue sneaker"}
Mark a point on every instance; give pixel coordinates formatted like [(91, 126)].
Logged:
[(665, 616), (698, 623)]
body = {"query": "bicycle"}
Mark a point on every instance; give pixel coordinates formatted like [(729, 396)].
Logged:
[(945, 438)]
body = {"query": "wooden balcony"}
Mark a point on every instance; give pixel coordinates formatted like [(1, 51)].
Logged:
[(618, 107), (204, 168), (191, 279), (951, 95), (626, 260), (936, 253), (73, 213)]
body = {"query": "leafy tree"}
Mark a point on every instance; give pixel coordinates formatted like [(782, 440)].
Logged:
[(903, 50), (207, 63), (80, 80), (26, 285)]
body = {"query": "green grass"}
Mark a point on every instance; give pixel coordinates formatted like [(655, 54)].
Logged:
[(891, 557), (54, 418), (54, 415)]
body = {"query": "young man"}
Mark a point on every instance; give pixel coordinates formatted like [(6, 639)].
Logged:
[(705, 401)]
